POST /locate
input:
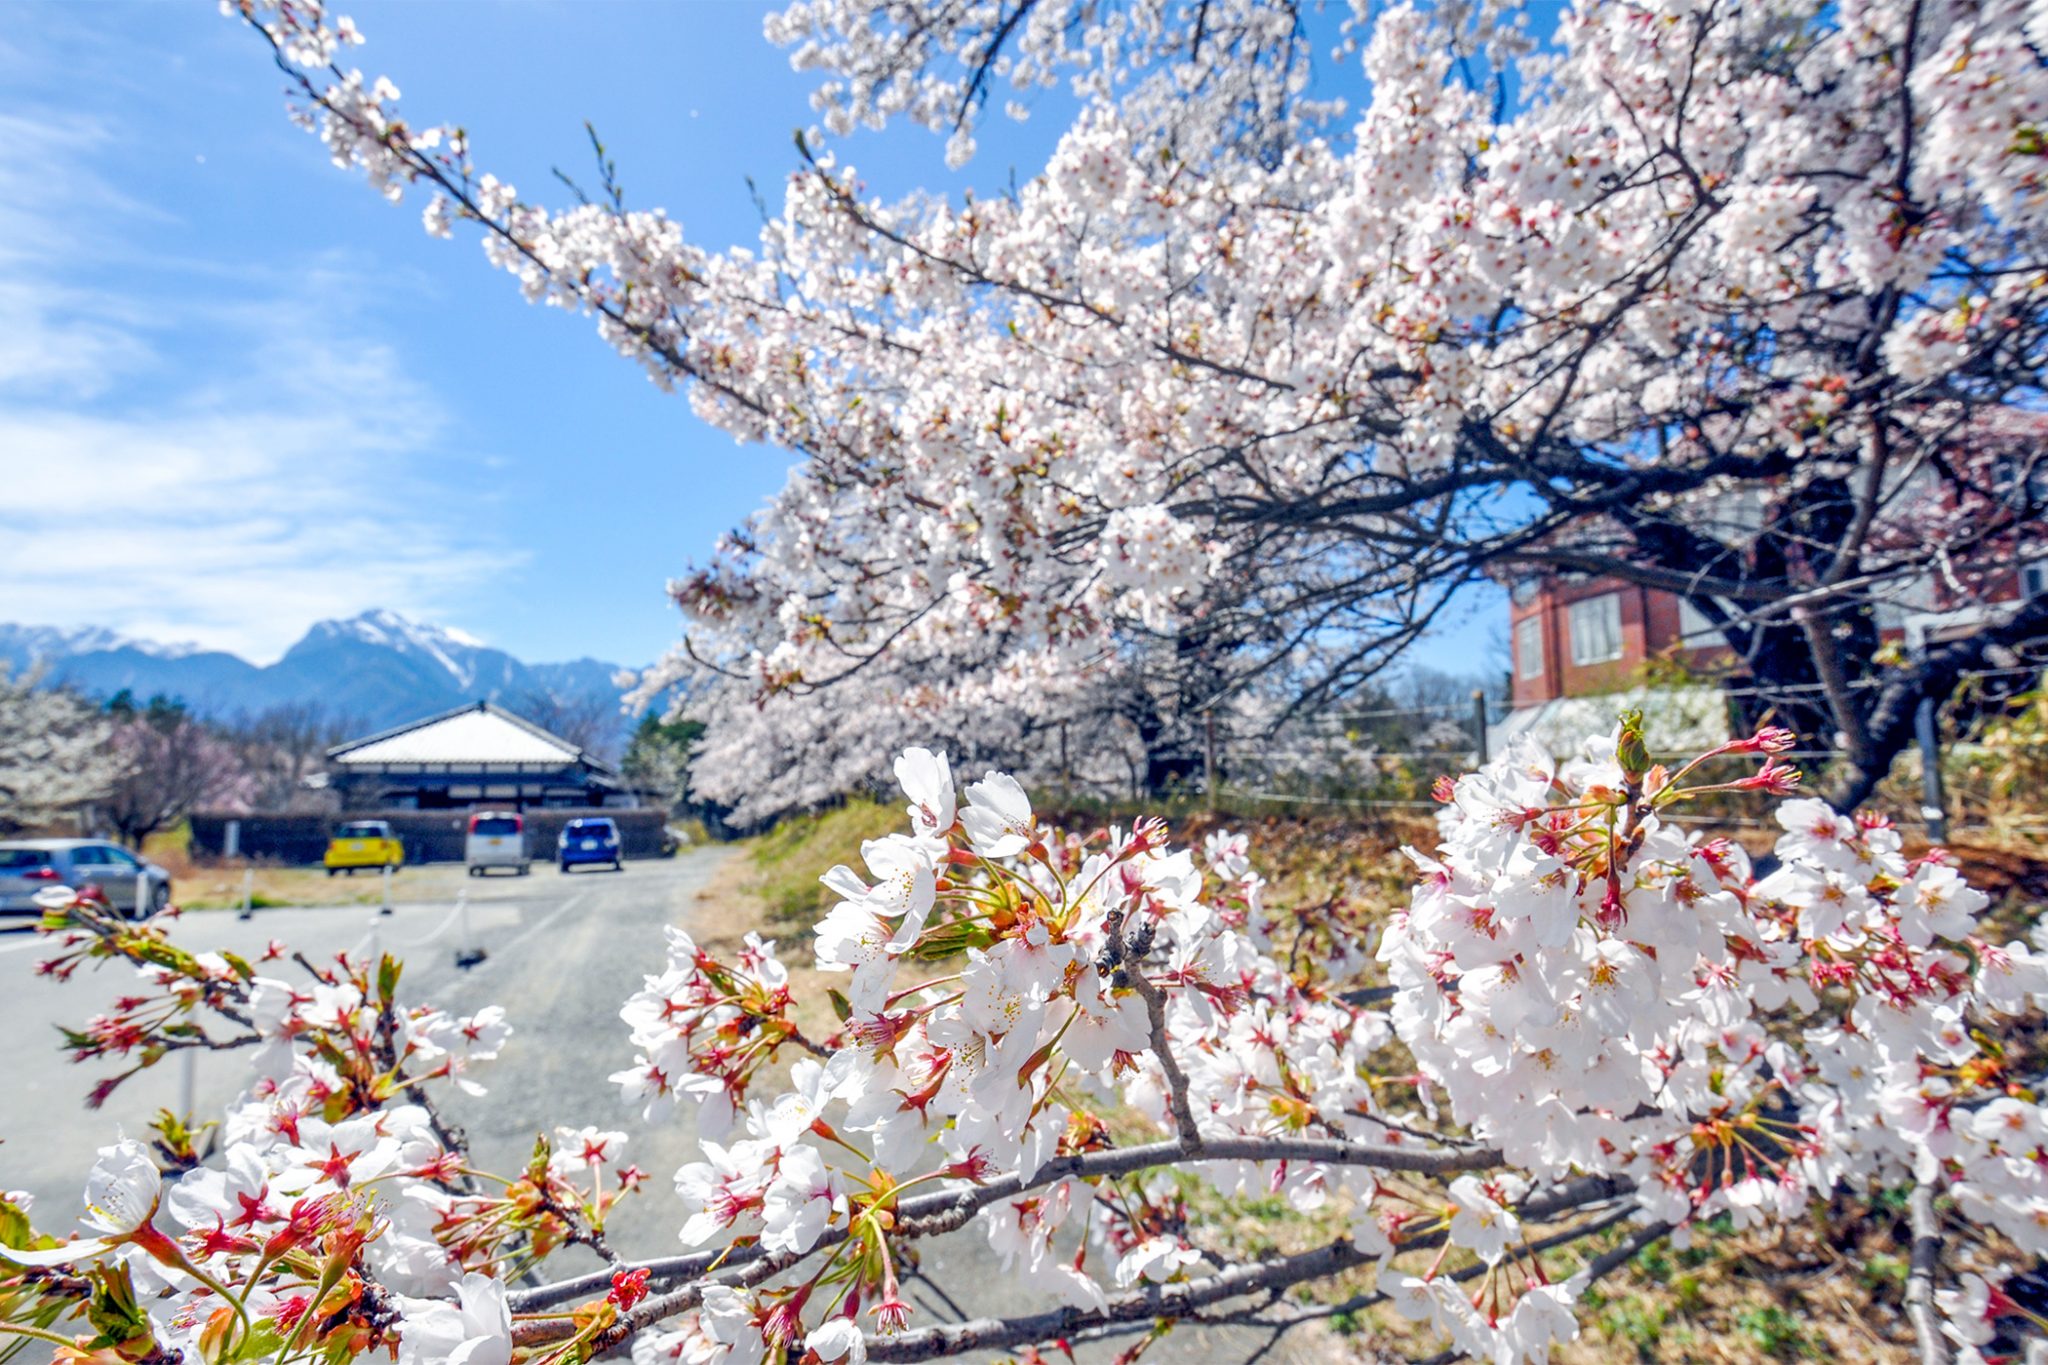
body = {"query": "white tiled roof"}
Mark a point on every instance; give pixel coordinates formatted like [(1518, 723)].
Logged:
[(473, 736)]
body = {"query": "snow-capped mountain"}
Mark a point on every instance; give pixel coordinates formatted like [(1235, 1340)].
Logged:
[(374, 670), (454, 652), (20, 645), (100, 662)]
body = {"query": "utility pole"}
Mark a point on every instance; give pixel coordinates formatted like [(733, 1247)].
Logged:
[(1479, 721), (1209, 758), (1933, 805)]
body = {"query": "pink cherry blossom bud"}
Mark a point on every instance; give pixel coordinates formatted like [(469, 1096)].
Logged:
[(628, 1288), (1773, 779), (1772, 739)]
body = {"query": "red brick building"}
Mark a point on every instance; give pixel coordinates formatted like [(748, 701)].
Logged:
[(1574, 635), (1580, 641)]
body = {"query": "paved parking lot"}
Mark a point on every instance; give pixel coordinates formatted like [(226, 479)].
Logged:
[(563, 952)]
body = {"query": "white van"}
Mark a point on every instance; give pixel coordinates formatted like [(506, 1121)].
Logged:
[(497, 838)]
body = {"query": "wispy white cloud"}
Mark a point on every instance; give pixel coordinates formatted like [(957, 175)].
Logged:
[(221, 462), (56, 216), (55, 342)]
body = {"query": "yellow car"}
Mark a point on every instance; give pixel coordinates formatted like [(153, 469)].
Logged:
[(364, 843)]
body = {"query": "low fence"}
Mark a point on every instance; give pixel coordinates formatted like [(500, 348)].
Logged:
[(430, 836), (1388, 759)]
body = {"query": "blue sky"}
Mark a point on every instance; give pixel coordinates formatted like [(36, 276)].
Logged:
[(239, 392)]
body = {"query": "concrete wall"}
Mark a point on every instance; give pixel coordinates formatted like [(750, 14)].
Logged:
[(434, 836)]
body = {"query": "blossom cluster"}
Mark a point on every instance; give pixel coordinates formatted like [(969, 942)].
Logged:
[(1153, 557), (883, 62), (1590, 989), (1596, 989), (342, 1217)]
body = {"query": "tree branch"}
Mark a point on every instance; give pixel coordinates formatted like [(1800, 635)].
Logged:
[(1152, 1301), (943, 1211), (1189, 1134), (1926, 1258), (1182, 1299)]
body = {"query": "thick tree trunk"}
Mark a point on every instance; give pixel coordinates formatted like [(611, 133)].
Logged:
[(1169, 757), (1888, 723), (1171, 753)]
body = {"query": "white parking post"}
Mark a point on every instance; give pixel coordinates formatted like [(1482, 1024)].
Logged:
[(248, 893), (188, 1084), (141, 894), (468, 952), (386, 909)]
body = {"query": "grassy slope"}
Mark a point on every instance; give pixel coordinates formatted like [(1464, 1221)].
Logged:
[(787, 861)]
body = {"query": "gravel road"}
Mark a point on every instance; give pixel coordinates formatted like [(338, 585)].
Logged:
[(562, 953)]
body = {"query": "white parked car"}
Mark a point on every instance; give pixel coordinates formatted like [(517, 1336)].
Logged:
[(497, 838)]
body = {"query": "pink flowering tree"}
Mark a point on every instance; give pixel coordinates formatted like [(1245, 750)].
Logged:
[(1242, 388), (55, 754), (170, 764), (1588, 1030)]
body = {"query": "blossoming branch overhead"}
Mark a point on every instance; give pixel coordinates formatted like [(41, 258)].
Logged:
[(1229, 404)]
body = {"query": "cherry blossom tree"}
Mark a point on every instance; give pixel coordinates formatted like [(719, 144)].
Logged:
[(1739, 303), (282, 747), (54, 754), (1234, 370), (1587, 1031), (170, 764)]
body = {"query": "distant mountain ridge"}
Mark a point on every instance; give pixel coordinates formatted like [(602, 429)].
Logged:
[(375, 670)]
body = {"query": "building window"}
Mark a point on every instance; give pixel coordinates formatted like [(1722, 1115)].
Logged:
[(2034, 579), (1695, 631), (1529, 646), (1596, 629)]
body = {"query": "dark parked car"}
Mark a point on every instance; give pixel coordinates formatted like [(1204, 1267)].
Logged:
[(588, 841), (31, 865)]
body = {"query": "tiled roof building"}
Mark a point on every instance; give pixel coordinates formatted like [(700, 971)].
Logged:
[(477, 754)]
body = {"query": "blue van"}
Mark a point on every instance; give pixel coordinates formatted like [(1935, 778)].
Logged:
[(588, 841)]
